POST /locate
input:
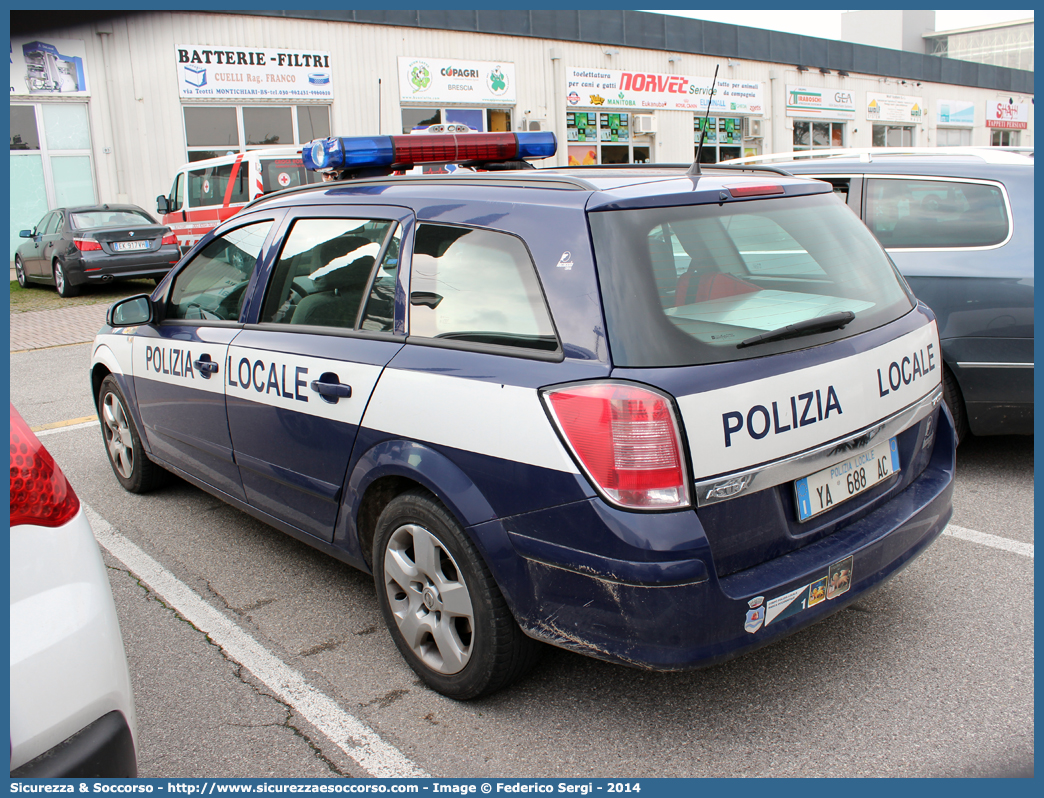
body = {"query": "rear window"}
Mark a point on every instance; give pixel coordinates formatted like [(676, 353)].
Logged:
[(929, 214), (687, 285), (85, 219)]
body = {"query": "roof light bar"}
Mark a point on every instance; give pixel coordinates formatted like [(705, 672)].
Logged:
[(358, 152)]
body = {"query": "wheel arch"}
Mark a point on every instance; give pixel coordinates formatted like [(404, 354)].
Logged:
[(392, 468)]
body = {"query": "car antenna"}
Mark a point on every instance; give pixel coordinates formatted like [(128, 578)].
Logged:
[(695, 168)]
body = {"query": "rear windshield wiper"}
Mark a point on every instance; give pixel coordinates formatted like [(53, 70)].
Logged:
[(832, 321)]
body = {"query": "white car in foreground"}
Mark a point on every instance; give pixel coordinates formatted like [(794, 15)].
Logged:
[(72, 711)]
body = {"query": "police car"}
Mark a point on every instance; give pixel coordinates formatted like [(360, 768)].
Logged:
[(650, 414)]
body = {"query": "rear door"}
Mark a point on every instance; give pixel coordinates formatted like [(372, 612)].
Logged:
[(300, 378), (180, 363)]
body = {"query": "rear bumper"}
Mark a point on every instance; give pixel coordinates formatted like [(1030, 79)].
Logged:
[(672, 612), (102, 750)]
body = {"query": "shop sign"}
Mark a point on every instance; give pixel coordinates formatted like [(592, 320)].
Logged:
[(894, 108), (649, 91), (49, 67), (1013, 116), (227, 72), (430, 80), (955, 113), (820, 103)]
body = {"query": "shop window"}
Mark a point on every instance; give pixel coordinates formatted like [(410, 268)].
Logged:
[(601, 137), (213, 131), (893, 135), (1004, 138), (483, 120), (818, 135), (269, 126), (24, 135), (51, 162), (723, 139), (953, 137)]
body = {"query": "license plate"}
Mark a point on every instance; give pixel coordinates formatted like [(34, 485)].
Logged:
[(826, 489), (129, 246)]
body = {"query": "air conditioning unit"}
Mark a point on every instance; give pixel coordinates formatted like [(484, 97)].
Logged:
[(644, 124), (537, 124), (752, 127)]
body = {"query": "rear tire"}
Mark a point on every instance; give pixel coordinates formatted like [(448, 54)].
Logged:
[(445, 612), (132, 467), (61, 282), (954, 400), (23, 281)]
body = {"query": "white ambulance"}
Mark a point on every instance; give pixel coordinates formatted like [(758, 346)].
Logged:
[(205, 193)]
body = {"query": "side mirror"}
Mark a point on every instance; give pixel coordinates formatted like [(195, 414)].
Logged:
[(25, 233), (129, 312), (162, 206)]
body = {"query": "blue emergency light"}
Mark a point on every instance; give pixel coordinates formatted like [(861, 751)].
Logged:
[(358, 152)]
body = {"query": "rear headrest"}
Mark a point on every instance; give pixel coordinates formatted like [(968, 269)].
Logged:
[(351, 275)]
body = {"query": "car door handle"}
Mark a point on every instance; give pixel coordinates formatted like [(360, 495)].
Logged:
[(206, 366), (332, 389)]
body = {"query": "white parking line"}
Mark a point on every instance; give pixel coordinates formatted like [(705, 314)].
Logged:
[(351, 735), (993, 541)]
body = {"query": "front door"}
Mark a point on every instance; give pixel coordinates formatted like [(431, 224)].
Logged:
[(179, 363)]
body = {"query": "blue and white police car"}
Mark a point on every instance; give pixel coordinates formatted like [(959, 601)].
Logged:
[(650, 414)]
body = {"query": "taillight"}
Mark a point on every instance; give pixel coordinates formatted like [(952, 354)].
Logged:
[(169, 238), (40, 493), (627, 440), (86, 244)]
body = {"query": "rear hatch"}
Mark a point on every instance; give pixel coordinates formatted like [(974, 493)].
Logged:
[(805, 376)]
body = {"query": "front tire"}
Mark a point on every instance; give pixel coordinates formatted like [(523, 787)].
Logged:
[(20, 273), (445, 612), (61, 282), (132, 467)]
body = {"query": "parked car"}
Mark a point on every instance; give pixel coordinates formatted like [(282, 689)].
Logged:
[(73, 247), (959, 225), (72, 712), (657, 416)]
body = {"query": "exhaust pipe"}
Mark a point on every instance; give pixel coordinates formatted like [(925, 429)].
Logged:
[(105, 278)]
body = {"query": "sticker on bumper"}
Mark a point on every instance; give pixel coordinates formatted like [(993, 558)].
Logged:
[(837, 581)]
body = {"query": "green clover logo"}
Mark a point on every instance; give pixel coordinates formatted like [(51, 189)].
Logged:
[(497, 81), (420, 77)]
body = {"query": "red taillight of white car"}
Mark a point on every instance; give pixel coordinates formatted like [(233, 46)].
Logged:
[(40, 493), (627, 440), (87, 244)]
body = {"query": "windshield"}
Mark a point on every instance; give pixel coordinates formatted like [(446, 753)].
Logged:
[(113, 218), (685, 285)]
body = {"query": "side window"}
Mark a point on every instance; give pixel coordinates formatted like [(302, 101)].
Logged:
[(45, 223), (324, 272), (207, 186), (213, 284), (380, 307), (55, 224), (177, 193), (477, 285), (936, 213)]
